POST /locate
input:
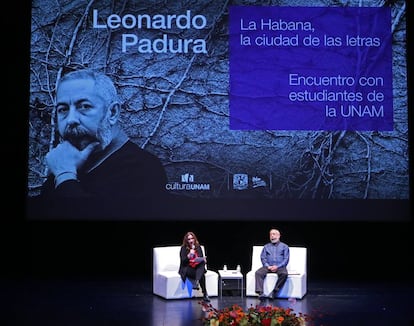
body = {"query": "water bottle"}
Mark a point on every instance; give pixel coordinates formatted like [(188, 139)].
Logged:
[(238, 269), (225, 268)]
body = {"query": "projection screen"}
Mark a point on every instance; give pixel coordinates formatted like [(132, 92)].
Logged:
[(270, 110)]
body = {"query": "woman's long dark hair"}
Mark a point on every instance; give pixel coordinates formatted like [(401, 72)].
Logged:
[(185, 242)]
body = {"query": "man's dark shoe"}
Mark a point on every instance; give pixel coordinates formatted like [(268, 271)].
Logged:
[(262, 297), (273, 294), (206, 298)]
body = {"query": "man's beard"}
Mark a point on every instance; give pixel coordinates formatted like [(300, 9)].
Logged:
[(81, 138), (104, 133)]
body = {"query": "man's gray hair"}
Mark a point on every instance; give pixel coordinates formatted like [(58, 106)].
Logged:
[(104, 85)]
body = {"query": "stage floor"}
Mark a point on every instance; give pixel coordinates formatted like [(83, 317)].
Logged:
[(131, 302)]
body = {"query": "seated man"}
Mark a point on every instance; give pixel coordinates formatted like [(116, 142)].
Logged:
[(275, 258)]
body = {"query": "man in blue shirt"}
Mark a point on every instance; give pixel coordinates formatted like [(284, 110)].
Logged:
[(275, 257)]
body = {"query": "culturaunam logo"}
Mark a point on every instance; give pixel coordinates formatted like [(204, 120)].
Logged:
[(187, 177), (187, 184)]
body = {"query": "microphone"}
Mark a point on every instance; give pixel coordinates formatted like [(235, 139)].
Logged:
[(192, 252)]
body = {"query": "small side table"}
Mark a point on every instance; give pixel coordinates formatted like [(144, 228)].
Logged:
[(230, 275)]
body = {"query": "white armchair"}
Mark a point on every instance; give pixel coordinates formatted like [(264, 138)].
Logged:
[(296, 283), (167, 282)]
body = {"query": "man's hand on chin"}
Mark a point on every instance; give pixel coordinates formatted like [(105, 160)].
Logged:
[(67, 158)]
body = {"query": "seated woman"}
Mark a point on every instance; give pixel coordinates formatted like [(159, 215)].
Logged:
[(193, 263)]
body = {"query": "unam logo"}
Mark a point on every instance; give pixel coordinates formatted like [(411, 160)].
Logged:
[(187, 177), (240, 181)]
